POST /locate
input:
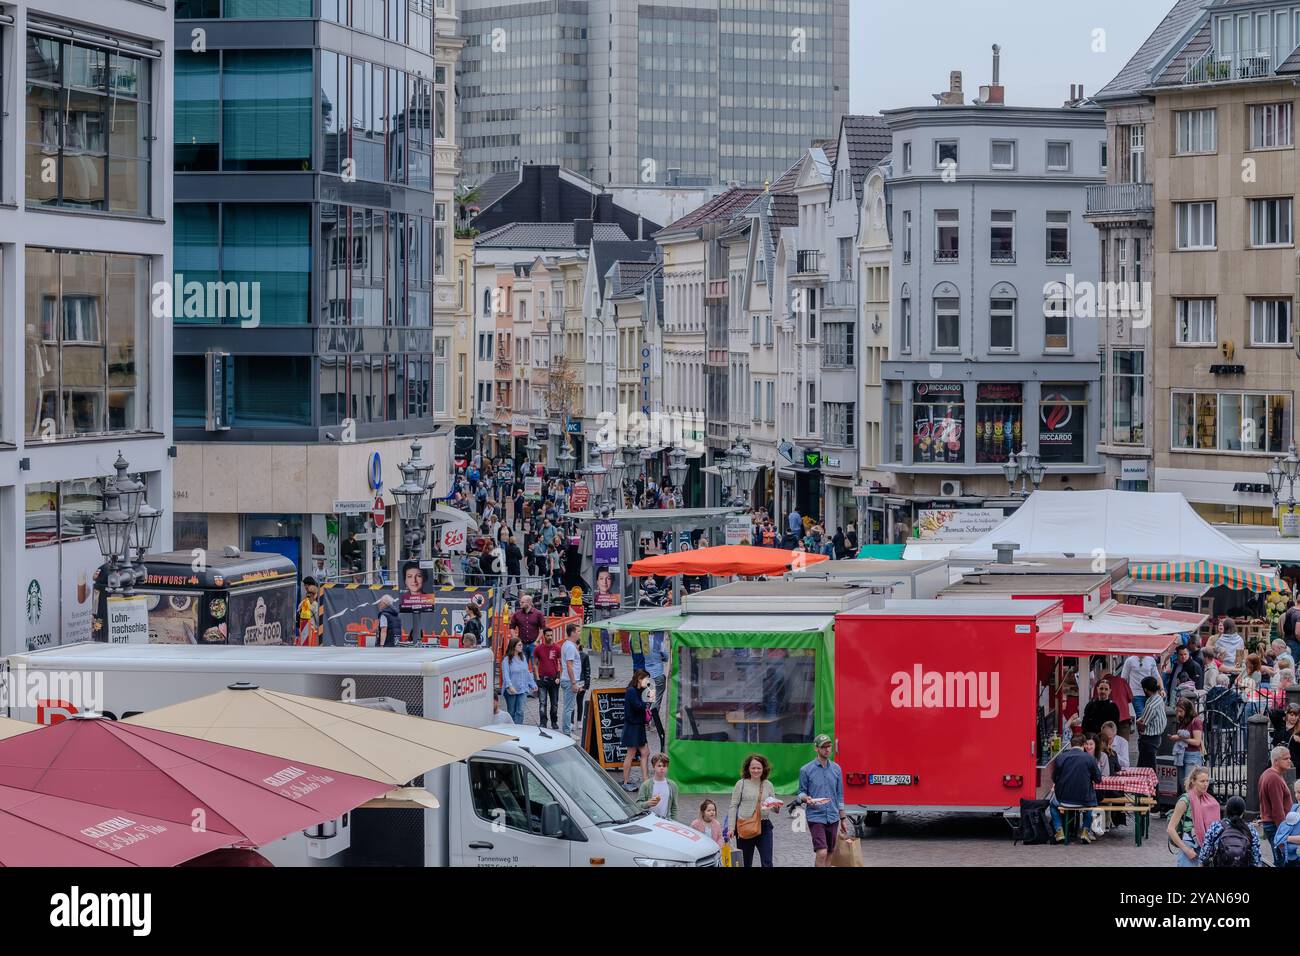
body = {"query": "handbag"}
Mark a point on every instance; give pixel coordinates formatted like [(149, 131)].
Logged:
[(750, 827)]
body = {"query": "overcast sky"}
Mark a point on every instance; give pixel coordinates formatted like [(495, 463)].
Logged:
[(901, 51)]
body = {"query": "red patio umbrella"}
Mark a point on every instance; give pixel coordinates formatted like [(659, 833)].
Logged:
[(40, 830), (724, 559), (250, 798)]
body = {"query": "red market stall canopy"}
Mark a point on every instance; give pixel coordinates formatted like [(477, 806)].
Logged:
[(1081, 644), (724, 560), (1120, 629), (1205, 572)]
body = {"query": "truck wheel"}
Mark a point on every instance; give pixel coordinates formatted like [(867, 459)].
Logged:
[(873, 818)]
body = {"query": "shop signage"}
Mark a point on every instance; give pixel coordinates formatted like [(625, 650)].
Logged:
[(832, 463), (812, 458), (1288, 524), (375, 472), (128, 620), (1061, 425), (930, 391), (351, 506), (377, 512), (573, 426), (957, 524), (1249, 488), (1227, 370), (541, 432), (1133, 470)]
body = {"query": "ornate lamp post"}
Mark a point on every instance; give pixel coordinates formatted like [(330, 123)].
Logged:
[(1025, 466), (1285, 470), (677, 471), (125, 529)]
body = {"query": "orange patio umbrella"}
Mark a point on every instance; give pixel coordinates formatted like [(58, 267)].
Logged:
[(724, 560)]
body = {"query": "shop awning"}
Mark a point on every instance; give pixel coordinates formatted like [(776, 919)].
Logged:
[(1075, 644), (882, 552), (1137, 619), (646, 619), (444, 514), (724, 560), (1183, 589), (1205, 572)]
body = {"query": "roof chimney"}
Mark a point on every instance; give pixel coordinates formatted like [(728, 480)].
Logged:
[(1006, 551), (954, 95), (994, 95), (997, 64), (582, 230)]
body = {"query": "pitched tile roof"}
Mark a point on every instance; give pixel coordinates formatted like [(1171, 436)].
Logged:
[(544, 235), (1136, 74), (629, 277), (719, 209), (605, 254), (496, 186), (1191, 51), (788, 178), (869, 142)]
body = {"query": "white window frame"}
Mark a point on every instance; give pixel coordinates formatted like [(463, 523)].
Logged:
[(1266, 315), (945, 312), (1196, 322), (905, 325), (1194, 128), (907, 157), (1271, 216), (993, 152), (1057, 308), (907, 235), (943, 223), (1137, 153), (1049, 226), (1206, 215), (1271, 126), (1006, 349), (1069, 156)]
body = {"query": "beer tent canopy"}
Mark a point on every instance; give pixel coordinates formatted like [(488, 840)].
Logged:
[(1138, 525), (723, 560)]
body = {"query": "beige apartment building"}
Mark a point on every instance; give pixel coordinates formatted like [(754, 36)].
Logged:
[(1223, 167)]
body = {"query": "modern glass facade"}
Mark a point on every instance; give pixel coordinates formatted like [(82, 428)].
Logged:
[(265, 125), (723, 89)]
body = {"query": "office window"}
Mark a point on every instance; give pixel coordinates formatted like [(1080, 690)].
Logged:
[(1270, 222), (197, 112), (1230, 421), (89, 135), (945, 151), (266, 110), (270, 244), (1270, 321), (1003, 154), (1056, 323), (1196, 132), (1002, 236), (946, 235), (1128, 408), (87, 342), (1002, 325), (1270, 126), (1194, 225), (905, 325), (947, 325), (1058, 237), (1195, 319), (1058, 157)]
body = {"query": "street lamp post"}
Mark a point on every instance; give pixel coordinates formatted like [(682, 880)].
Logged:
[(677, 470), (414, 502), (125, 529), (1285, 470), (1025, 466)]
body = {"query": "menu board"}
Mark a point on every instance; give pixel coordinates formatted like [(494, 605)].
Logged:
[(602, 732)]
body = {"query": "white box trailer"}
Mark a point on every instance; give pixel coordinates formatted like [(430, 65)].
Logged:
[(908, 580), (491, 813)]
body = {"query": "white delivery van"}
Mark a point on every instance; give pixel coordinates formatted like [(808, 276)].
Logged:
[(539, 800)]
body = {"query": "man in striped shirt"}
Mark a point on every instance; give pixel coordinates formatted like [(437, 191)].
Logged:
[(1151, 724)]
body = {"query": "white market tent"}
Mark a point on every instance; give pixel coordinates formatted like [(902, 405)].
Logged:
[(1141, 526)]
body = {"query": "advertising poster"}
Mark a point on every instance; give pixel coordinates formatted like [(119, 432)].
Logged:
[(262, 617), (580, 497), (957, 524), (740, 529), (80, 560), (40, 593), (452, 537), (605, 558), (417, 589), (533, 489), (174, 619), (128, 620)]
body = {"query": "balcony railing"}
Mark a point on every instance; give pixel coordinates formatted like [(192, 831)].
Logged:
[(809, 261), (1119, 198), (1214, 67), (841, 294)]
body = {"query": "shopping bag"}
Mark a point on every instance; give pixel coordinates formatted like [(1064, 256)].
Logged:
[(847, 852)]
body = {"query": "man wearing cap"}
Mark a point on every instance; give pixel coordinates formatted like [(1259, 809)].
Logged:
[(821, 793)]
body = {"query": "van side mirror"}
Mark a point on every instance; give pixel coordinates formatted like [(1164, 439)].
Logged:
[(552, 820)]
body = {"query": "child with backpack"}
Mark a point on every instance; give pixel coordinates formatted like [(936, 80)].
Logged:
[(1231, 842)]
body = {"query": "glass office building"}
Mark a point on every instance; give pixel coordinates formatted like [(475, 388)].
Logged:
[(309, 243), (672, 92)]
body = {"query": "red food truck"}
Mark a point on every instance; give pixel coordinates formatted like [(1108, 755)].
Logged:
[(951, 704)]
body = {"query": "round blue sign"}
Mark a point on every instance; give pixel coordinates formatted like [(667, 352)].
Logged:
[(376, 472)]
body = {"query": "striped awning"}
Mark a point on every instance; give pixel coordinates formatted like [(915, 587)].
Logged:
[(1204, 572)]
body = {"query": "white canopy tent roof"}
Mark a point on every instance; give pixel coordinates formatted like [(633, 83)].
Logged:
[(1140, 526)]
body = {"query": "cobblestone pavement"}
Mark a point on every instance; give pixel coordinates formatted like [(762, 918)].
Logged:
[(922, 839)]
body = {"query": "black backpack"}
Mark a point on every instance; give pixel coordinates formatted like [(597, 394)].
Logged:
[(1033, 828), (1233, 848)]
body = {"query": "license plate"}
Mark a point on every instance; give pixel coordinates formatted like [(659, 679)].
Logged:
[(889, 779)]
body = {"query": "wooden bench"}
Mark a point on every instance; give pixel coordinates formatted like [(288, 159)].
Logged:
[(1141, 814)]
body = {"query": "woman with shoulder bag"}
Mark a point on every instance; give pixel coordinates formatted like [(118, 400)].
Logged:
[(753, 794), (1191, 817)]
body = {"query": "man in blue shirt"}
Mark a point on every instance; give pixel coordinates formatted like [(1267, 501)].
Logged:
[(821, 792), (795, 522), (1074, 774)]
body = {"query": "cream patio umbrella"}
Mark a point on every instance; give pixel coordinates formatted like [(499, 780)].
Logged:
[(12, 728), (376, 744)]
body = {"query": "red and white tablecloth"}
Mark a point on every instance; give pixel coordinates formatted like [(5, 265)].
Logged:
[(1139, 781)]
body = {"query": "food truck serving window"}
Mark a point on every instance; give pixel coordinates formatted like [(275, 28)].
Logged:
[(746, 694), (262, 616)]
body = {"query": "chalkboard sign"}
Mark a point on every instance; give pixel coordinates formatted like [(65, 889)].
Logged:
[(602, 733)]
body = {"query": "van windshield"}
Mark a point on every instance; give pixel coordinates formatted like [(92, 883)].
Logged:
[(589, 786)]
